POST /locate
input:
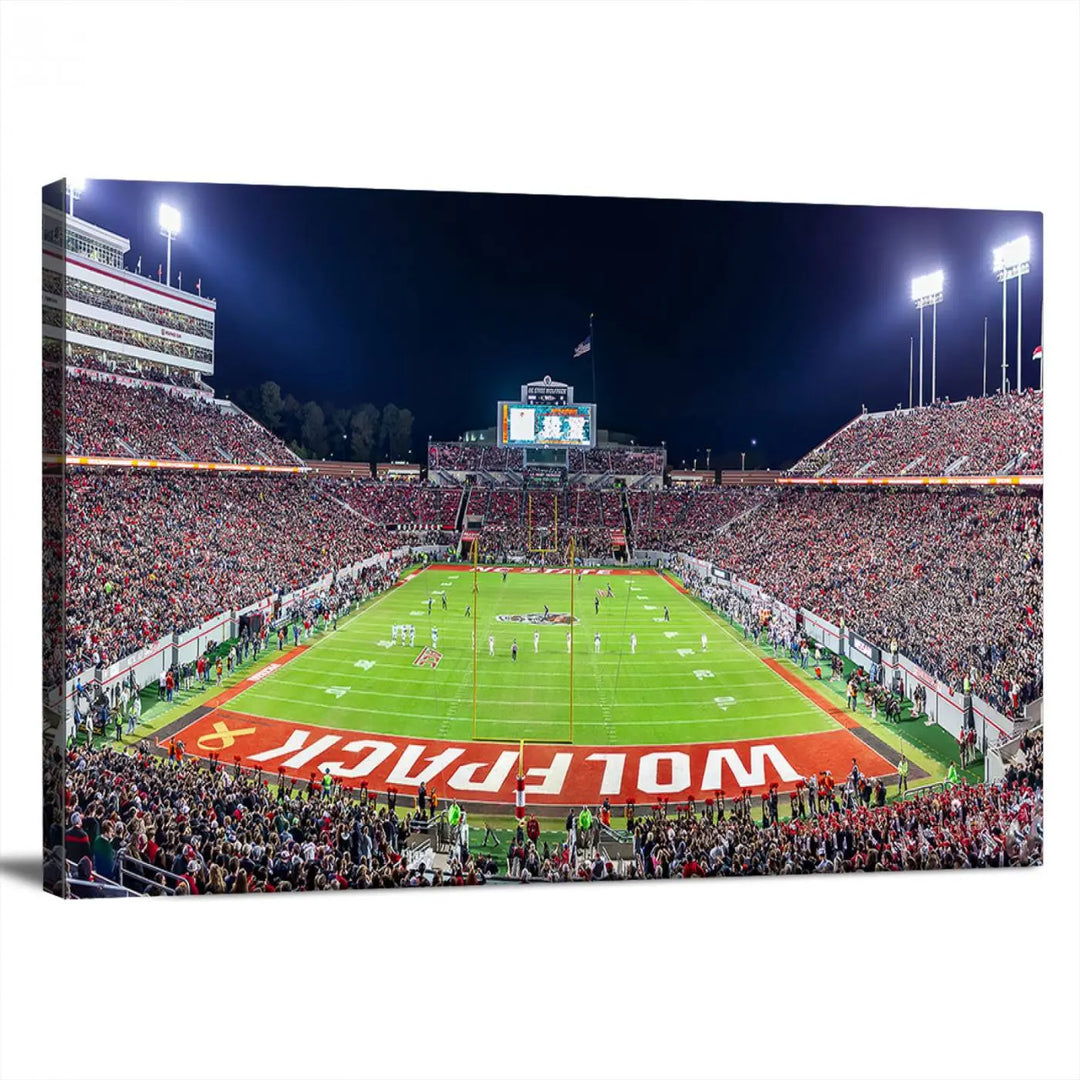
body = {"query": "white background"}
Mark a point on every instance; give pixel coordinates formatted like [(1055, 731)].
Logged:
[(522, 425), (965, 104)]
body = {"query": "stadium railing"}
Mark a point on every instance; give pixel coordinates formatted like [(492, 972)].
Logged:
[(98, 884), (146, 664), (998, 758), (923, 789), (133, 869), (434, 832)]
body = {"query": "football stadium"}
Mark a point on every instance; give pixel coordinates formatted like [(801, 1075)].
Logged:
[(544, 652)]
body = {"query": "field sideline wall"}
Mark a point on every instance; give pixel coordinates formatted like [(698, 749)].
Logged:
[(183, 647), (942, 705)]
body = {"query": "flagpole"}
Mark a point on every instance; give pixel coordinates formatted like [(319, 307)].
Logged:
[(592, 353)]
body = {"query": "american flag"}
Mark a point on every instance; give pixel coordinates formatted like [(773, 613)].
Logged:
[(583, 348)]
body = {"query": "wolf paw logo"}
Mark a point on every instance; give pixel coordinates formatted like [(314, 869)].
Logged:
[(538, 618)]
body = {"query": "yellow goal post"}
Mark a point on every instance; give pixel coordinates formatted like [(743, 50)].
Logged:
[(571, 561)]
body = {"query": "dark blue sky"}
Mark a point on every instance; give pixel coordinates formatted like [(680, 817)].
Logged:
[(716, 323)]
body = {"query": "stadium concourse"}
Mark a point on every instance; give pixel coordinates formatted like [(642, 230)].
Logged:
[(951, 574)]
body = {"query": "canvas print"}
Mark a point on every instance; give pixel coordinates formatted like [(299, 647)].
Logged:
[(414, 538)]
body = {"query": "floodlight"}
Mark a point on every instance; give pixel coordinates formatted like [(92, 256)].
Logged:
[(169, 219), (1012, 260), (922, 288), (1013, 254), (74, 190), (927, 291)]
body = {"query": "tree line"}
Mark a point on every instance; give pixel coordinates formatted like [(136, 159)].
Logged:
[(366, 433)]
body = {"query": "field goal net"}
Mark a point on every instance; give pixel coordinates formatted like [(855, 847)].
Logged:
[(549, 718)]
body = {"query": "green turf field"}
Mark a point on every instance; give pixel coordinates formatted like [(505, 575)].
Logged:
[(671, 691)]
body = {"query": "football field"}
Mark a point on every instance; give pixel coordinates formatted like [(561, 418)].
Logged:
[(688, 679)]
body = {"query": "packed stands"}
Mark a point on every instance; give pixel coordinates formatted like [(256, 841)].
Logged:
[(623, 461), (51, 409), (501, 458), (955, 576), (82, 356), (1025, 769), (677, 519), (477, 457), (107, 331), (504, 508), (544, 505), (439, 506), (474, 457), (396, 505), (108, 419), (152, 553), (110, 300), (960, 827), (583, 509), (477, 502), (976, 437), (455, 456), (193, 831)]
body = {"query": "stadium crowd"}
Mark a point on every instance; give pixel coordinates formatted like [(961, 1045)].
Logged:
[(505, 507), (104, 417), (153, 553), (438, 505), (107, 331), (52, 417), (1025, 767), (955, 577), (985, 435), (396, 505), (196, 830), (516, 543), (205, 828), (832, 829), (52, 350), (469, 457), (82, 356), (626, 461), (98, 296), (679, 518)]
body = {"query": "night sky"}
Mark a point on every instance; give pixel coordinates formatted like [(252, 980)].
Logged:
[(716, 323)]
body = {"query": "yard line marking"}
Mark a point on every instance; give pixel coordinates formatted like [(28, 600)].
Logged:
[(355, 639), (557, 699), (731, 633), (711, 721)]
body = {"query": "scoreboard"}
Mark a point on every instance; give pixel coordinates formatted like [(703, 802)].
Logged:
[(528, 424)]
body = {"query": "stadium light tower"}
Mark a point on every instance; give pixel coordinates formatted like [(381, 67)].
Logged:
[(911, 371), (75, 188), (1012, 260), (927, 291), (169, 220)]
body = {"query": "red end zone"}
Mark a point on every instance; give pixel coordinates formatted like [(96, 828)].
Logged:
[(554, 775), (630, 571)]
